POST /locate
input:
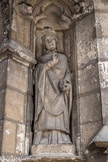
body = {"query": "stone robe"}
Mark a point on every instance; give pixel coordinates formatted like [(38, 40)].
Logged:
[(52, 106)]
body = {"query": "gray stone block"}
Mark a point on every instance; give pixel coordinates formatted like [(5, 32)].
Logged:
[(88, 78), (90, 108), (17, 76), (88, 131), (2, 103), (3, 73), (14, 105), (86, 47)]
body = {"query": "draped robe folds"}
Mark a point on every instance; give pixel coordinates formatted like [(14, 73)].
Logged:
[(52, 106)]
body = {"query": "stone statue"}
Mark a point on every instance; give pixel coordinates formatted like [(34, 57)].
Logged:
[(53, 95)]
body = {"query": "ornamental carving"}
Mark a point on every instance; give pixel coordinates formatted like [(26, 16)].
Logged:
[(45, 13), (6, 12)]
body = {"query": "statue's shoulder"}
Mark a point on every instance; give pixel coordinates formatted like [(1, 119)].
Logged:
[(62, 56)]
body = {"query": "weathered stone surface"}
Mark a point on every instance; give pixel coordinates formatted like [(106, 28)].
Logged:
[(103, 68), (101, 138), (101, 17), (102, 23), (90, 108), (85, 40), (88, 77), (53, 149), (26, 35), (27, 144), (2, 103), (22, 30), (9, 136), (60, 46), (87, 84), (67, 43), (3, 73), (102, 45), (97, 158), (20, 140), (104, 99), (101, 6), (88, 131), (52, 13), (5, 25), (14, 106), (1, 133), (21, 53), (54, 158), (1, 24), (38, 42), (17, 76)]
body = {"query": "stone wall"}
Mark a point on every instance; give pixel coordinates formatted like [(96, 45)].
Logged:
[(13, 102), (1, 24), (101, 17)]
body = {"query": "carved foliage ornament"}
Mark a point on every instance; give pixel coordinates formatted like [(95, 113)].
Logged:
[(79, 6), (82, 6), (6, 17)]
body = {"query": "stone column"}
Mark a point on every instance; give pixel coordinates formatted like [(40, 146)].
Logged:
[(15, 71), (101, 20)]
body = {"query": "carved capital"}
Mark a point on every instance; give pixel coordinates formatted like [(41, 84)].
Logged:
[(23, 8)]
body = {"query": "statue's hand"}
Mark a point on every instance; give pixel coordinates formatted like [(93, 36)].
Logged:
[(51, 63), (65, 86), (55, 58)]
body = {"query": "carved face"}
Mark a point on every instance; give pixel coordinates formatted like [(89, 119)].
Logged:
[(50, 43)]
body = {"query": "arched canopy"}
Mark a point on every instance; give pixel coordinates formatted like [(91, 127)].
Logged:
[(57, 14)]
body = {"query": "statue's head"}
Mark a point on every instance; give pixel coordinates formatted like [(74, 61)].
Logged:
[(49, 39)]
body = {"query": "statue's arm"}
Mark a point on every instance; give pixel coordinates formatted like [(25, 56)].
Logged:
[(51, 63), (66, 83)]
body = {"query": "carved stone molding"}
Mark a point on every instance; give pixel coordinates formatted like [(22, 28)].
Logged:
[(17, 51)]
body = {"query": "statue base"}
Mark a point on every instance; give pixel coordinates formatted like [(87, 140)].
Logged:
[(53, 149), (44, 158), (52, 153)]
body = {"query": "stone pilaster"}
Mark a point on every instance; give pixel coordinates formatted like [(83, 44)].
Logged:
[(88, 98), (15, 92), (101, 23)]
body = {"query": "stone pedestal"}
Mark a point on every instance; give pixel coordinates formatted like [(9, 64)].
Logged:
[(53, 149), (52, 153)]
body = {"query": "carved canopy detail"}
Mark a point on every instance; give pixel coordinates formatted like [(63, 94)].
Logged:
[(60, 13)]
